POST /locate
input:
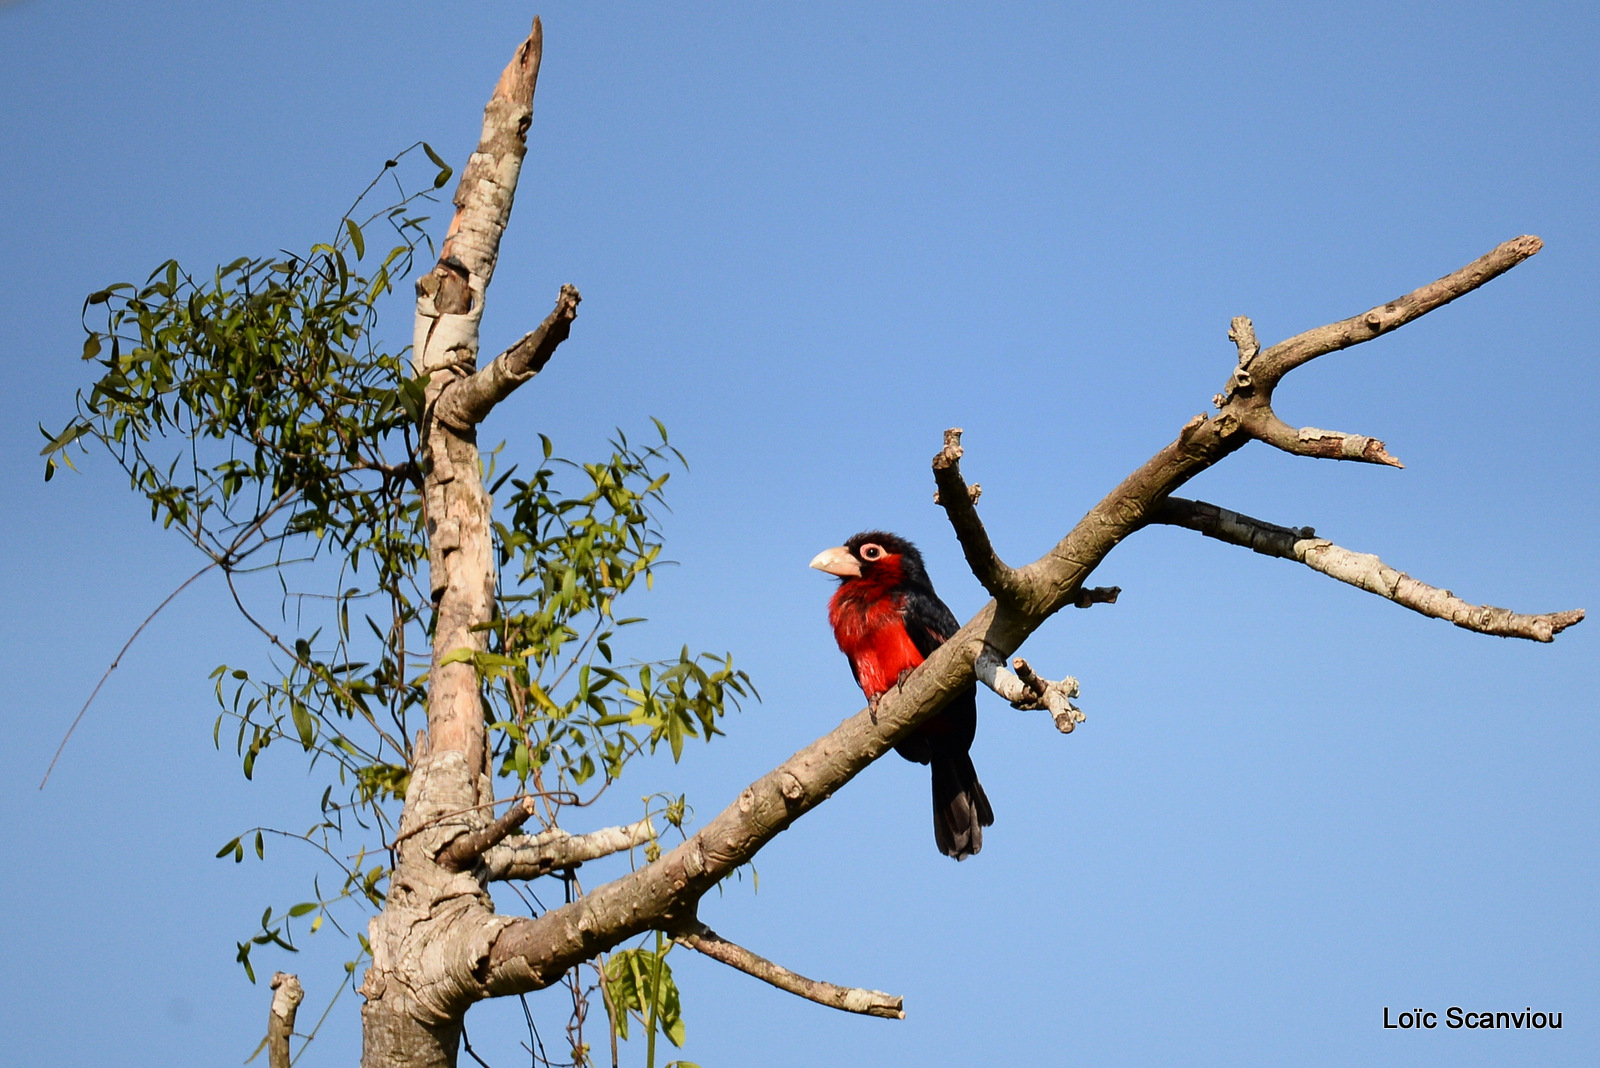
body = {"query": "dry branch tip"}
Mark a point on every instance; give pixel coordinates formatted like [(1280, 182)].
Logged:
[(697, 936)]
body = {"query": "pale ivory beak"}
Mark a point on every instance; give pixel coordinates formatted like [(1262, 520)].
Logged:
[(837, 561)]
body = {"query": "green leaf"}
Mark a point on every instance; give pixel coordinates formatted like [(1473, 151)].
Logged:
[(305, 908), (232, 845), (675, 735), (72, 433), (103, 295), (444, 168), (244, 958), (355, 238), (639, 980), (303, 724)]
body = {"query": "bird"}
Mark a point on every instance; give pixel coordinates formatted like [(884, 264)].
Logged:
[(887, 620)]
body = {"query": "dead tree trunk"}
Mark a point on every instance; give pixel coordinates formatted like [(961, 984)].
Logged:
[(439, 946)]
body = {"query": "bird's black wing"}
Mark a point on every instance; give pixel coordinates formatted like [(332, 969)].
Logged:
[(929, 622)]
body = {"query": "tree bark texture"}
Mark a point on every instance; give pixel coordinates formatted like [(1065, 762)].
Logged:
[(287, 994), (439, 946), (437, 924)]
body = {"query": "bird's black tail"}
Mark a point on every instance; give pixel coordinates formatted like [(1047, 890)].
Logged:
[(960, 809)]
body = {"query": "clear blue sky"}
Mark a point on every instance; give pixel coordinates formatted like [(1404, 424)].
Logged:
[(809, 238)]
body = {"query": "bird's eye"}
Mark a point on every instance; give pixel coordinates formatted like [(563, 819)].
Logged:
[(871, 552)]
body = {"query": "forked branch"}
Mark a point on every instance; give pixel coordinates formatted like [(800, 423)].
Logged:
[(1246, 399), (531, 953), (1027, 691), (697, 936), (1362, 570)]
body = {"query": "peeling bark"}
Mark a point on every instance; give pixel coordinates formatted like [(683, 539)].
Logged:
[(1323, 444), (531, 856), (430, 941)]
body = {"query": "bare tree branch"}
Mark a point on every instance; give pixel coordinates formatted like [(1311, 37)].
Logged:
[(438, 946), (462, 853), (286, 998), (467, 402), (958, 500), (530, 856), (1246, 399), (697, 936), (1268, 539), (431, 937), (1027, 691), (531, 953), (1270, 367), (1265, 426), (1361, 570)]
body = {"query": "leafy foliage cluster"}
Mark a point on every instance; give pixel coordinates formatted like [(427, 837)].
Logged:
[(259, 413), (638, 983)]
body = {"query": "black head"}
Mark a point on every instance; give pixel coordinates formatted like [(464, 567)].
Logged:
[(878, 557)]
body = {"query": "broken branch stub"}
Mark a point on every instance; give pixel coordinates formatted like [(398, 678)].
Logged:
[(1027, 692), (287, 994), (468, 401), (463, 852)]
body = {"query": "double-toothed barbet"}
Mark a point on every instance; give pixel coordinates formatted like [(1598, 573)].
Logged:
[(887, 620)]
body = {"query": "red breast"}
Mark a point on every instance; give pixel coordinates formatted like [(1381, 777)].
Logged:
[(868, 625)]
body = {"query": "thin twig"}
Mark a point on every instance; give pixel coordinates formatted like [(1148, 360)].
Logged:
[(117, 660)]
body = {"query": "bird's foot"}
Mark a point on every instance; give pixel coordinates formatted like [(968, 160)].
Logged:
[(872, 708)]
